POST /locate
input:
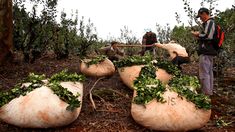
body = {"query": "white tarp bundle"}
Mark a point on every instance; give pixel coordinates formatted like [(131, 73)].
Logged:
[(104, 68), (41, 108), (177, 114)]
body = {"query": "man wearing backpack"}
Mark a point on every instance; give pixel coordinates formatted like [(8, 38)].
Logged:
[(206, 50)]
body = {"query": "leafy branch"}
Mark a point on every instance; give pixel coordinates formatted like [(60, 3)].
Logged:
[(98, 59), (186, 86), (133, 60), (148, 87)]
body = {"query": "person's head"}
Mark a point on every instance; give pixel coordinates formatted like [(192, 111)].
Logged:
[(203, 14), (114, 44)]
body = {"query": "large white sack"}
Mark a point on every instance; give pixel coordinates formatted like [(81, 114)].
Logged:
[(176, 114), (129, 74), (41, 108), (105, 68)]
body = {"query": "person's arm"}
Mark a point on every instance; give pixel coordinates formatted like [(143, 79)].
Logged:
[(208, 32), (103, 50), (163, 46), (144, 39), (119, 52), (143, 43)]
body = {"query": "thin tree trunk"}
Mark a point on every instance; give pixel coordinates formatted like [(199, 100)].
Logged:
[(6, 29)]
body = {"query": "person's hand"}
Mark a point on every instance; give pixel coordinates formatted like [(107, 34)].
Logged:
[(195, 33), (157, 44)]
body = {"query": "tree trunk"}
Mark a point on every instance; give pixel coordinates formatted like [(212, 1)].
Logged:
[(6, 29)]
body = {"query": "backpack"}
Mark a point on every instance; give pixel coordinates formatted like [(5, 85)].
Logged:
[(219, 37)]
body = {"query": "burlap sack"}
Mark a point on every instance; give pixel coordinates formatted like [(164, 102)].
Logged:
[(105, 68), (129, 74), (41, 108), (175, 115)]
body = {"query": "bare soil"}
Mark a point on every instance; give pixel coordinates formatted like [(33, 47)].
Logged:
[(113, 99)]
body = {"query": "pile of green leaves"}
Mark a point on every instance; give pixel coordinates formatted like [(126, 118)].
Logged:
[(168, 66), (148, 87), (96, 60), (133, 60), (33, 78), (63, 93), (65, 76), (182, 86), (148, 59), (35, 81)]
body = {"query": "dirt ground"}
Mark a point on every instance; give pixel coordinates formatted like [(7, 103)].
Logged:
[(113, 99)]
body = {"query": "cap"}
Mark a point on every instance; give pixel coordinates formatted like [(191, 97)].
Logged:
[(147, 30), (201, 10), (114, 42)]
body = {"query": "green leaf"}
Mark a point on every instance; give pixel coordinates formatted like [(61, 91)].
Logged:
[(147, 86), (182, 84)]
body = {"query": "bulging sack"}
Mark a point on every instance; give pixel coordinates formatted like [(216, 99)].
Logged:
[(129, 74), (41, 108), (176, 114), (104, 68)]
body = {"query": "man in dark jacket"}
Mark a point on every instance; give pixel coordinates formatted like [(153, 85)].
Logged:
[(206, 51), (149, 38)]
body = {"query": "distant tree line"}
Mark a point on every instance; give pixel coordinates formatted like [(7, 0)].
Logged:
[(35, 34)]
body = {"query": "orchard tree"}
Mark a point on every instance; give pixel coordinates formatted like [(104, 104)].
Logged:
[(127, 37), (163, 33), (33, 32), (6, 27), (87, 38)]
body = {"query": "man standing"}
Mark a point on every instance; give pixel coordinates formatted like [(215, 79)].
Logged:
[(149, 38), (206, 51)]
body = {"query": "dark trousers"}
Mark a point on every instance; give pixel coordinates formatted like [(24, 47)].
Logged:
[(150, 49), (178, 60)]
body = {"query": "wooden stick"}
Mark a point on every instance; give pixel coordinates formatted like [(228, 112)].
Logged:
[(92, 101), (123, 45)]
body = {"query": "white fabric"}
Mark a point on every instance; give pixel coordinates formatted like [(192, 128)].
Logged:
[(173, 47), (41, 108), (105, 68), (177, 114)]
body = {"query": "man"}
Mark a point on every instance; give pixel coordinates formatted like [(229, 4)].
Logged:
[(149, 38), (113, 52), (178, 54), (206, 51)]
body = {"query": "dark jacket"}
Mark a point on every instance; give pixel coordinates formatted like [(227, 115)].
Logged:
[(206, 38), (149, 39)]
